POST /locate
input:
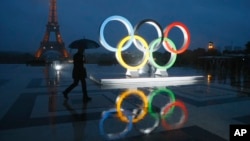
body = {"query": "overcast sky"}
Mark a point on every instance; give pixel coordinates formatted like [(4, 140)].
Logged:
[(23, 22)]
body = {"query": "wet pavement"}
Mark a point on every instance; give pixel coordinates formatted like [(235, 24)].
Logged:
[(33, 107)]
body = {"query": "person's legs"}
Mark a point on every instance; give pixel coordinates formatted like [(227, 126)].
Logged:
[(84, 90), (72, 86)]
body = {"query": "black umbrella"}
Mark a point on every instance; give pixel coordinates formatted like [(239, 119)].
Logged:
[(84, 43)]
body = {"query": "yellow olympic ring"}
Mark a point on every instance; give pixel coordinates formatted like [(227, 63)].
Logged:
[(126, 94), (119, 54)]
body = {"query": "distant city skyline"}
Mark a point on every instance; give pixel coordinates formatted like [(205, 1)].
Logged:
[(224, 22)]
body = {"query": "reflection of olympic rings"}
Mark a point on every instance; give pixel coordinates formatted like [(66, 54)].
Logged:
[(166, 110), (142, 45), (154, 93), (111, 113), (137, 114), (148, 130), (126, 94)]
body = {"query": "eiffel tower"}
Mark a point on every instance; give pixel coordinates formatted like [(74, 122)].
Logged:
[(46, 44)]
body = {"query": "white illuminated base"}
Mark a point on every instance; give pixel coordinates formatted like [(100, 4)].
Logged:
[(146, 82)]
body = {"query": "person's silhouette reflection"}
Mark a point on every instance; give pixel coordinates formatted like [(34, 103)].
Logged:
[(78, 120)]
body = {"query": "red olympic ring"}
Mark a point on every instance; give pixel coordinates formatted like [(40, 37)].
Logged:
[(186, 35)]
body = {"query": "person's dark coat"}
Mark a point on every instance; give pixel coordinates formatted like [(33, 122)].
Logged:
[(79, 71)]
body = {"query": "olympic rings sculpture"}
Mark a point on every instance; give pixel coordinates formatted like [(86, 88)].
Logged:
[(135, 115), (141, 44)]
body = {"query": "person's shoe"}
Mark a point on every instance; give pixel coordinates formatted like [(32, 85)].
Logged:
[(65, 95), (86, 99)]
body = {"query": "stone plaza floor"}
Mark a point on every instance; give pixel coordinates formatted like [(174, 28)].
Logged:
[(34, 109)]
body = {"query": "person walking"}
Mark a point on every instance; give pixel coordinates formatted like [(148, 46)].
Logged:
[(78, 74)]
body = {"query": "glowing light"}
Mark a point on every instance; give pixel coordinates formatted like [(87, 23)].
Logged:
[(58, 67), (209, 78), (210, 45)]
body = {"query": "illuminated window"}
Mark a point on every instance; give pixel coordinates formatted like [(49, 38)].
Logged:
[(210, 45)]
